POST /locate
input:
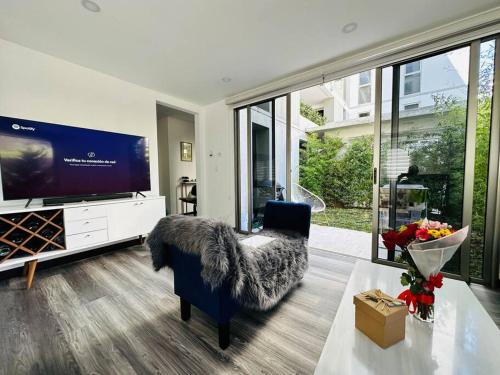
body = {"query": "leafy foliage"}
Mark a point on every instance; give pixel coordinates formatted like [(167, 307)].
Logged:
[(317, 159), (354, 182), (481, 164), (338, 172), (311, 114), (440, 150)]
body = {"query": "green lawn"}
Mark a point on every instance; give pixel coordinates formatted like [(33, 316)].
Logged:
[(349, 218)]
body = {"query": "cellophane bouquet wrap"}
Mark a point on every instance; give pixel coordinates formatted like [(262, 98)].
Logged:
[(430, 257), (425, 246)]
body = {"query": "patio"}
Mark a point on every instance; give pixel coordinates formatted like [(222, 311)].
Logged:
[(342, 241)]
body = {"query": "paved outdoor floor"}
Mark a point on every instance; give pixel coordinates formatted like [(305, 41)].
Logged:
[(342, 241)]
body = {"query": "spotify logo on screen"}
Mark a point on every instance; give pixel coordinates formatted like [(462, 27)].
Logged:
[(19, 127)]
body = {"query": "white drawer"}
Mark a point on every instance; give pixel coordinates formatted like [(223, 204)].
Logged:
[(86, 225), (80, 213), (77, 241)]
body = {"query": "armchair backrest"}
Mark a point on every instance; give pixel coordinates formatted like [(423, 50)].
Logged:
[(283, 215)]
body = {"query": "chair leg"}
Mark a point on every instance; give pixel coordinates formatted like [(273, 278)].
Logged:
[(224, 335), (185, 309)]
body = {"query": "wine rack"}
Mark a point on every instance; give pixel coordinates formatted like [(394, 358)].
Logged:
[(29, 233)]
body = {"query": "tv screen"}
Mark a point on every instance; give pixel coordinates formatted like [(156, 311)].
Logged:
[(40, 160)]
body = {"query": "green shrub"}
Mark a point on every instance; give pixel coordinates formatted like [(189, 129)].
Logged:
[(311, 114), (340, 173)]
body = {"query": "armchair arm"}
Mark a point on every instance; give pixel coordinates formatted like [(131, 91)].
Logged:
[(288, 216)]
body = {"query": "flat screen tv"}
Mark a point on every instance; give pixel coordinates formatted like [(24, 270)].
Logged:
[(41, 160)]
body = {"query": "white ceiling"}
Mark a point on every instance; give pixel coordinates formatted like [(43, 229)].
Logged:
[(185, 47)]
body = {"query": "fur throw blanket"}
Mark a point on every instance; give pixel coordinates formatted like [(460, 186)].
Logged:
[(257, 277)]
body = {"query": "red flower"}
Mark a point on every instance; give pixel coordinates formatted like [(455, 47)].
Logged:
[(390, 239), (436, 281), (412, 227), (422, 234), (433, 282), (406, 236)]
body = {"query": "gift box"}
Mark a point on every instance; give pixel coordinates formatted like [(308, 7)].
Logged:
[(380, 317)]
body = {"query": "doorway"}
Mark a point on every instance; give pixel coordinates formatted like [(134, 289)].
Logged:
[(261, 139), (177, 160)]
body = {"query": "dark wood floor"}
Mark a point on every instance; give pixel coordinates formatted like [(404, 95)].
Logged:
[(113, 315)]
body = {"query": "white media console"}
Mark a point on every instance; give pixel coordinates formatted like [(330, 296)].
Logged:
[(91, 225)]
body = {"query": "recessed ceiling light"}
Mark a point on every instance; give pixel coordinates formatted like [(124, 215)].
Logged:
[(226, 79), (91, 6), (349, 27)]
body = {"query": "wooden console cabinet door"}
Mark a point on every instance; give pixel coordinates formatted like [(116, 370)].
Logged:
[(135, 218)]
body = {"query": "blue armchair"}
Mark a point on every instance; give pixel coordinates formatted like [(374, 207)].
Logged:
[(218, 303), (281, 215)]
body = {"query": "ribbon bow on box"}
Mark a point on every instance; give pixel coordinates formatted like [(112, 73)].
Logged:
[(384, 302)]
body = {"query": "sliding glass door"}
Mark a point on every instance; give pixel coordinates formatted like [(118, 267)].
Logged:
[(436, 127), (433, 154), (262, 162), (262, 166)]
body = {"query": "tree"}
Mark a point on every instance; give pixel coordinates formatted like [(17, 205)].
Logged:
[(440, 150), (481, 164)]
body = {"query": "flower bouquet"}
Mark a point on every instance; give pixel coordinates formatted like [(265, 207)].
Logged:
[(426, 246)]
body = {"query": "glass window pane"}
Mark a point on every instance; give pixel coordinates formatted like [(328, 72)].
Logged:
[(409, 107), (243, 168), (365, 94), (486, 70), (422, 166), (364, 78), (332, 162), (412, 67), (262, 161), (264, 106), (412, 84), (280, 146), (385, 149)]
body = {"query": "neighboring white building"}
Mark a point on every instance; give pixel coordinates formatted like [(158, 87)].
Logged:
[(348, 103)]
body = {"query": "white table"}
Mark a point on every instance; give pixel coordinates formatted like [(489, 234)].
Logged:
[(462, 340)]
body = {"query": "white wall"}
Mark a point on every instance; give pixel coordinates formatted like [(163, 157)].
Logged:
[(163, 160), (40, 87), (179, 131), (217, 162)]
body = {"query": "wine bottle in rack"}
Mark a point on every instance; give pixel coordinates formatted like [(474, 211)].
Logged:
[(59, 239), (16, 218), (32, 225), (17, 238), (4, 250), (47, 233)]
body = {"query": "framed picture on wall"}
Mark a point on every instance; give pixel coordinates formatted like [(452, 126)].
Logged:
[(186, 151)]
